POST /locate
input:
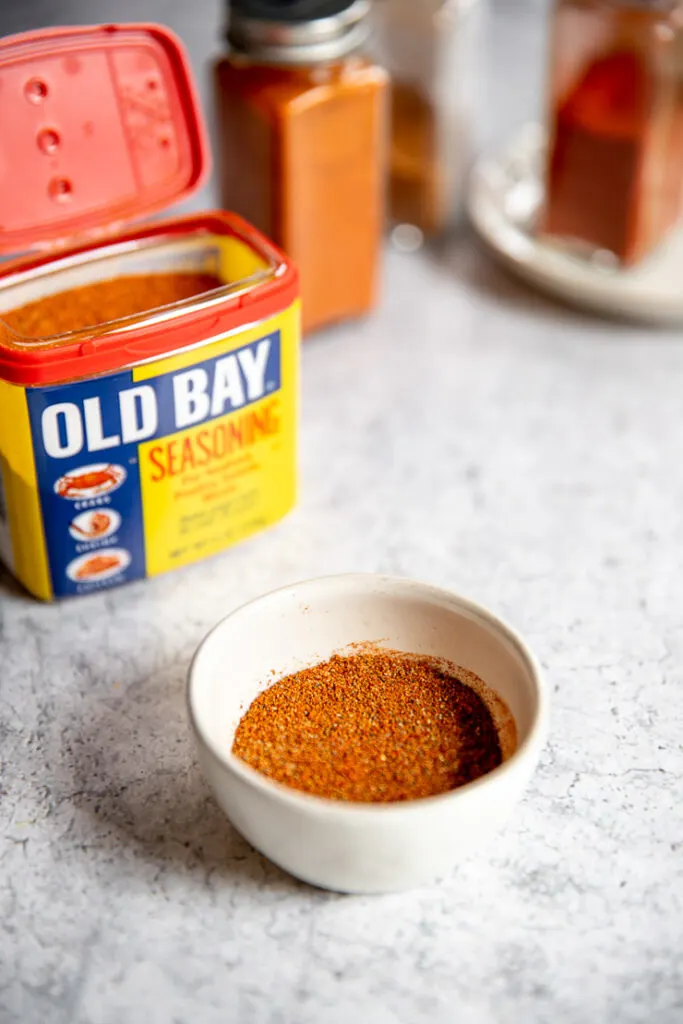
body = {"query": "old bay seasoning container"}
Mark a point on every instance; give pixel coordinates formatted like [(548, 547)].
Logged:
[(150, 441)]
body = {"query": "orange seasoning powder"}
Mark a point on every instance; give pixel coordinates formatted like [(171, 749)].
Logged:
[(303, 160), (303, 146), (615, 167), (102, 301), (376, 727)]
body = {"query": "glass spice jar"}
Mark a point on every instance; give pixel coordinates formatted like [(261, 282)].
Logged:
[(303, 135), (432, 51), (615, 165)]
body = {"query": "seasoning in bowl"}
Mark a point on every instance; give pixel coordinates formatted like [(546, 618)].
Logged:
[(377, 726)]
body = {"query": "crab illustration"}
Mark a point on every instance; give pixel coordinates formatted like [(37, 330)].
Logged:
[(98, 478)]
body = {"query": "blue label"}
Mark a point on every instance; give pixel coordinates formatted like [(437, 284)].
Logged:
[(85, 442)]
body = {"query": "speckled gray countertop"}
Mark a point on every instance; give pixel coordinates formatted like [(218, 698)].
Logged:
[(473, 435)]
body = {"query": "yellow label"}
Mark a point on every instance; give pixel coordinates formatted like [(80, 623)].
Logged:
[(206, 487)]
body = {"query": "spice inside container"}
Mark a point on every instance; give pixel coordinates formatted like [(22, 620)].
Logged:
[(432, 49), (148, 372), (104, 301), (376, 727), (302, 129), (615, 167)]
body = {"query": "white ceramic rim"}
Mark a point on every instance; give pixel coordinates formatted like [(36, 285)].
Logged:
[(618, 295), (308, 802)]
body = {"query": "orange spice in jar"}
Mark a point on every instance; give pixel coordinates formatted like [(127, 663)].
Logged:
[(303, 144), (148, 368), (433, 51), (615, 165)]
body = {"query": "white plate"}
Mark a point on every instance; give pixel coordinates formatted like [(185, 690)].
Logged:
[(81, 527), (103, 478), (505, 194), (122, 557)]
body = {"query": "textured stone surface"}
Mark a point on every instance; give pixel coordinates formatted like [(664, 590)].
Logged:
[(472, 435)]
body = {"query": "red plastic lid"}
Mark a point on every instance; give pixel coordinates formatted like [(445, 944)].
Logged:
[(100, 125)]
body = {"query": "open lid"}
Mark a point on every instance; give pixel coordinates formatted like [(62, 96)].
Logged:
[(100, 125)]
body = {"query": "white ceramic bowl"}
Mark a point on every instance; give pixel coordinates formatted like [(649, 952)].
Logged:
[(353, 847)]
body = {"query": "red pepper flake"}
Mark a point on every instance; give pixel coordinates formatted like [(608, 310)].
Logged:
[(376, 727)]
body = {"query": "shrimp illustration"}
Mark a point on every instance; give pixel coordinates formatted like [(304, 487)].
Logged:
[(99, 523)]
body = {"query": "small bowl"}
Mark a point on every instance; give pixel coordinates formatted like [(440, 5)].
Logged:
[(355, 847)]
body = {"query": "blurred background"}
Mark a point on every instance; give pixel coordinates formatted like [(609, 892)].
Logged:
[(471, 433), (514, 68)]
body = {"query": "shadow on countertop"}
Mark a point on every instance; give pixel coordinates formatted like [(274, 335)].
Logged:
[(468, 259), (135, 784)]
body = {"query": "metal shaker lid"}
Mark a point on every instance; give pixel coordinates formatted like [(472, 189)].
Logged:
[(296, 32)]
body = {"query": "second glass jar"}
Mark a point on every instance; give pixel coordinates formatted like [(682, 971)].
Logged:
[(433, 52)]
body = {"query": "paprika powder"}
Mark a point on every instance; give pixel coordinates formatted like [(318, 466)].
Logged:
[(615, 168)]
